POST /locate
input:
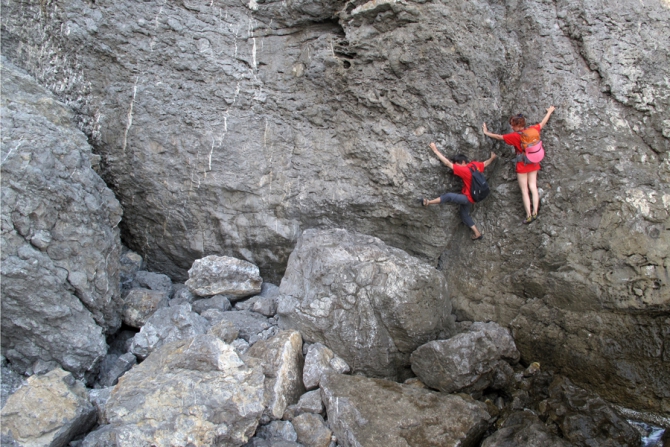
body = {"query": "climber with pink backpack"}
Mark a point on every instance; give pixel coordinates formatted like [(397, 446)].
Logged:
[(529, 153)]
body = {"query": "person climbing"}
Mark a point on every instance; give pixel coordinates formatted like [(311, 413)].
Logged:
[(461, 167), (526, 171)]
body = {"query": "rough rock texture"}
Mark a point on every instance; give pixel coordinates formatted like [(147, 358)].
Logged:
[(218, 302), (250, 324), (194, 391), (370, 303), (113, 367), (312, 430), (277, 430), (60, 244), (282, 360), (49, 411), (140, 304), (229, 127), (153, 281), (524, 428), (321, 360), (224, 275), (466, 362), (225, 331), (375, 412)]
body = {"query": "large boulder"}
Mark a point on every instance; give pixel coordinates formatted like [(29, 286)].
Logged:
[(370, 303), (375, 412), (524, 428), (50, 410), (224, 275), (60, 241), (195, 391), (467, 362)]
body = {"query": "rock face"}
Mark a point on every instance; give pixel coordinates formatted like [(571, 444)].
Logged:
[(49, 410), (195, 391), (229, 127), (369, 412), (224, 275), (467, 362), (60, 243), (370, 303)]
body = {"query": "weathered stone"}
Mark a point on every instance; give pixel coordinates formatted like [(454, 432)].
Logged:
[(265, 305), (153, 281), (278, 430), (309, 402), (224, 275), (368, 412), (129, 264), (321, 360), (49, 411), (225, 331), (218, 302), (249, 323), (60, 241), (140, 304), (167, 325), (11, 381), (273, 442), (282, 360), (113, 367), (195, 391), (181, 295), (524, 428), (312, 430), (370, 303), (98, 398), (468, 361)]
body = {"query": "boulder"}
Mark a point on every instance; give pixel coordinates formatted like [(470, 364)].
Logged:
[(376, 412), (321, 360), (153, 281), (195, 391), (140, 304), (310, 402), (524, 428), (279, 430), (218, 302), (282, 360), (49, 411), (312, 430), (468, 362), (370, 303), (167, 325), (60, 240), (225, 331), (249, 323), (114, 366), (224, 275), (129, 264), (181, 295)]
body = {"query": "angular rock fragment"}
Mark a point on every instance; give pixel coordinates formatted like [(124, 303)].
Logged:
[(129, 264), (140, 304), (367, 412), (195, 391), (50, 410), (214, 275), (470, 361), (312, 430), (370, 303), (218, 302), (153, 281), (249, 323), (277, 430), (524, 428), (225, 331), (114, 366), (181, 295), (167, 325), (321, 360), (282, 360)]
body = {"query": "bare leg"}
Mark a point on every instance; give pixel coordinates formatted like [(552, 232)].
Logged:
[(532, 185), (476, 232), (523, 184)]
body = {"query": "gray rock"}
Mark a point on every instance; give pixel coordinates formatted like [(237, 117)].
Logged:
[(274, 442), (225, 331), (249, 323), (98, 398), (224, 275), (167, 325), (140, 304), (11, 381), (129, 264), (282, 360), (309, 402), (241, 346), (321, 360), (364, 411), (50, 410), (218, 302), (181, 295), (278, 430), (114, 367), (153, 281), (467, 362), (196, 389), (60, 241), (523, 428), (370, 303), (312, 430), (265, 306)]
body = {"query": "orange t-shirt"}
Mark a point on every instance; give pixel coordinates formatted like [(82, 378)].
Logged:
[(516, 139)]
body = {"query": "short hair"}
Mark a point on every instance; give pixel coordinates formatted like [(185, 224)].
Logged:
[(518, 120), (459, 158)]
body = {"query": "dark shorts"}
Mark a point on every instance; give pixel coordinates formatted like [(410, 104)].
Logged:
[(463, 208)]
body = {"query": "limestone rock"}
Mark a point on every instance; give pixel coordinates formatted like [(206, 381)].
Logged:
[(364, 411), (60, 241), (282, 360), (194, 391), (466, 362), (321, 360), (129, 264), (224, 275), (181, 295), (153, 281), (49, 411), (250, 324), (167, 325), (218, 302), (524, 428), (312, 430), (140, 304), (225, 331), (309, 402), (113, 367), (98, 398), (370, 303), (278, 430)]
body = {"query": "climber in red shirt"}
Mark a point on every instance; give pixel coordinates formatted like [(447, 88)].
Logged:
[(461, 167)]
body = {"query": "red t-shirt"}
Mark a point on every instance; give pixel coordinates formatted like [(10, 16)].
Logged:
[(514, 139), (466, 175)]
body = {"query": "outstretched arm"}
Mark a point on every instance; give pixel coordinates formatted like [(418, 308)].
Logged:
[(490, 160), (492, 135), (550, 110), (442, 158)]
